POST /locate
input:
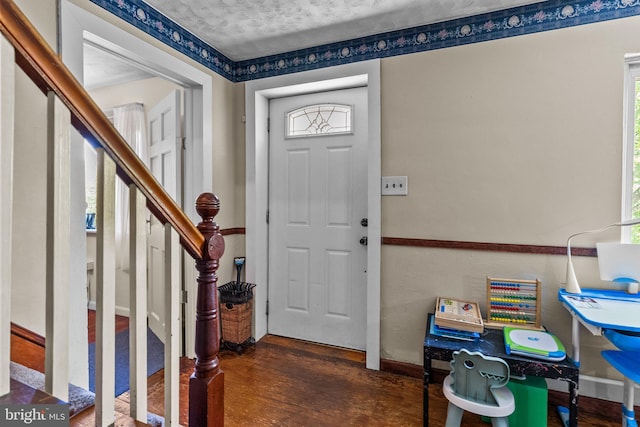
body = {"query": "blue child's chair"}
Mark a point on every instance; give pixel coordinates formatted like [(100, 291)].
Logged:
[(627, 362)]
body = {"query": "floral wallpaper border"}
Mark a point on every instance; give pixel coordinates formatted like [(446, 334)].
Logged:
[(544, 16)]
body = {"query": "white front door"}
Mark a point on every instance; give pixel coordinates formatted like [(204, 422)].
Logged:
[(165, 160), (317, 201)]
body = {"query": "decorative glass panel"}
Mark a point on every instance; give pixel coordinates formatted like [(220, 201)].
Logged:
[(319, 120)]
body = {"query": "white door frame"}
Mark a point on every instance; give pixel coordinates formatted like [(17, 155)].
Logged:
[(257, 95), (79, 24)]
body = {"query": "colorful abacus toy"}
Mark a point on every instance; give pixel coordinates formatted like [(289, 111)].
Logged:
[(514, 303)]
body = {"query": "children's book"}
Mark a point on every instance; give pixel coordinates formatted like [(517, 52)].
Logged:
[(460, 315)]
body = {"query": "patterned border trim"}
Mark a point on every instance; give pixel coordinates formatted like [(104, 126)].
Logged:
[(544, 16), (151, 21)]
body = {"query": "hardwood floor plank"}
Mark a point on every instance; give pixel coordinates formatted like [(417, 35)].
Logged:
[(299, 387)]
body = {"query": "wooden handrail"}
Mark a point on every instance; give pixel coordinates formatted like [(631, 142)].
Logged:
[(48, 72)]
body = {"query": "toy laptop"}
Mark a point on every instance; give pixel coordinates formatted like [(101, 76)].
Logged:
[(531, 343)]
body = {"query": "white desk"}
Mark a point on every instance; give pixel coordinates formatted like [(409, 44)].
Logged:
[(598, 309)]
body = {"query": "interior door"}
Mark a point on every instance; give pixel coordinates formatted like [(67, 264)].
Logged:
[(317, 204), (165, 160)]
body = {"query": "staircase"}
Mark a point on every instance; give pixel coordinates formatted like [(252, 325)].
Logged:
[(68, 105)]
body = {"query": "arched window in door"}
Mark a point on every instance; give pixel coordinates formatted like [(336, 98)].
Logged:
[(319, 120)]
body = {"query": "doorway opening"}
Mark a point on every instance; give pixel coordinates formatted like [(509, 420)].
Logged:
[(79, 26), (318, 149), (257, 97)]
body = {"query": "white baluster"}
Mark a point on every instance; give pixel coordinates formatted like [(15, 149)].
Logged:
[(172, 327), (58, 247), (7, 106), (138, 305), (105, 290)]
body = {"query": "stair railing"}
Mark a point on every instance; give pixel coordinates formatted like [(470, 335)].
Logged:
[(70, 103)]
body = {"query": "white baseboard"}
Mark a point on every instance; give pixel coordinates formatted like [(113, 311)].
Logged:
[(120, 311), (599, 388)]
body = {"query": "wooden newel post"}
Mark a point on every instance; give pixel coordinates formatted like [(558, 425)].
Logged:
[(206, 385)]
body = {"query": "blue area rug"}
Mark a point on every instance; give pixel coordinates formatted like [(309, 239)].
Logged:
[(155, 360)]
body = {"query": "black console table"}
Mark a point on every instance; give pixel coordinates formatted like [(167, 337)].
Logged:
[(491, 343)]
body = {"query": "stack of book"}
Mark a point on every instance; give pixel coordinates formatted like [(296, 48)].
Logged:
[(457, 319), (451, 333)]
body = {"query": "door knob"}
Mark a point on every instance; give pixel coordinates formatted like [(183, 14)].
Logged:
[(364, 241)]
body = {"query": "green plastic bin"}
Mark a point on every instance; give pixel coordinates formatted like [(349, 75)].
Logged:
[(531, 402), (531, 399)]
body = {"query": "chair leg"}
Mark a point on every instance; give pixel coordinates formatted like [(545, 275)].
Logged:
[(628, 418), (629, 422), (454, 416), (500, 422)]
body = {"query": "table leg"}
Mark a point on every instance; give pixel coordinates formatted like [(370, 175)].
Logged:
[(573, 404), (425, 392)]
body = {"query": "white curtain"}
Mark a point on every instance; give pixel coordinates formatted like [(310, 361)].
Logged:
[(130, 121)]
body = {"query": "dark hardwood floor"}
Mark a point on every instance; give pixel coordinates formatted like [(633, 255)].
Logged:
[(286, 382)]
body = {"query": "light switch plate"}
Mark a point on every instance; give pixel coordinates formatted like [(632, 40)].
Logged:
[(395, 186)]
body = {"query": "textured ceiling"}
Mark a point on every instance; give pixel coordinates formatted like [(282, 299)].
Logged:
[(102, 69), (247, 29)]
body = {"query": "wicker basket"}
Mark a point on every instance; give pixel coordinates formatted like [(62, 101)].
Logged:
[(236, 292), (236, 322)]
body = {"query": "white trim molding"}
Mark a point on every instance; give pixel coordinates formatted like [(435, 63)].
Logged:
[(257, 96)]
